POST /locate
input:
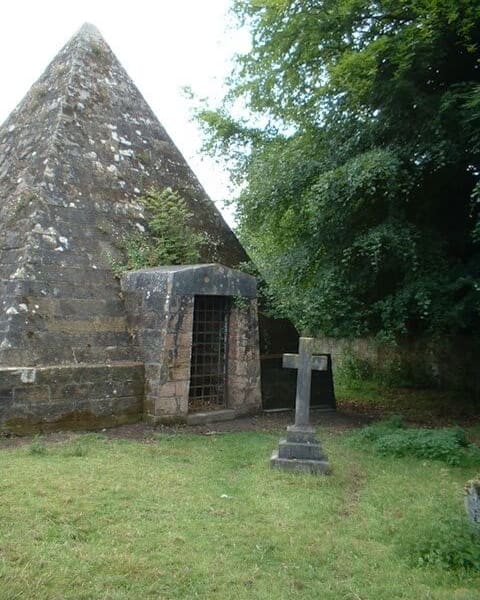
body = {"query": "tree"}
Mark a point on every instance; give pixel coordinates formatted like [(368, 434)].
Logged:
[(360, 157)]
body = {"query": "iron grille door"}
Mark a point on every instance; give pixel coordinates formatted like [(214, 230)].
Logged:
[(208, 371)]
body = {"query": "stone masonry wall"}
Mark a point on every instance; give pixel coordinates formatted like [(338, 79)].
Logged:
[(243, 379), (70, 397), (449, 363), (161, 322)]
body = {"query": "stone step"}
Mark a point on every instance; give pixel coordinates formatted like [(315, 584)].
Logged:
[(315, 467), (201, 418), (309, 451)]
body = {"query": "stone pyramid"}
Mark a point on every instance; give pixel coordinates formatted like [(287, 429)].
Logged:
[(75, 156)]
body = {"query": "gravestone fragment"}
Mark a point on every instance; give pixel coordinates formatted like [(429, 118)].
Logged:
[(300, 450), (472, 501)]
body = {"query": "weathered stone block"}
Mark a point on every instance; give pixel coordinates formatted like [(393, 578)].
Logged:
[(70, 396), (472, 501), (300, 465), (31, 393), (308, 451)]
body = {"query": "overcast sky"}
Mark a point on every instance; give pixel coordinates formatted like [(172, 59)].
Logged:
[(163, 44)]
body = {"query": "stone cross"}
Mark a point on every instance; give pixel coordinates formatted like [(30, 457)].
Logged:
[(305, 362), (301, 451)]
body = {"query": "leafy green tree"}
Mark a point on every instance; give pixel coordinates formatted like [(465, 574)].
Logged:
[(360, 158)]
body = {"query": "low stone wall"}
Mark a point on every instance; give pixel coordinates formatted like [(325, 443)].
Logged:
[(450, 363), (70, 396)]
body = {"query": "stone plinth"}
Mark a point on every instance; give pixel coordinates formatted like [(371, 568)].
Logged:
[(300, 452)]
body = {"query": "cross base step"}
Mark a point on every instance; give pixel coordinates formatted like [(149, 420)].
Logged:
[(308, 450), (303, 465)]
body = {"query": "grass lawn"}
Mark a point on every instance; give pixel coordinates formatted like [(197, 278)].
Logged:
[(188, 516)]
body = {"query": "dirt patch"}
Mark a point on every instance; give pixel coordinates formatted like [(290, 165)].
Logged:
[(263, 422)]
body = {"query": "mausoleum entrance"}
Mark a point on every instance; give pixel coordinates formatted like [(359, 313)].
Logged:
[(196, 328), (209, 362)]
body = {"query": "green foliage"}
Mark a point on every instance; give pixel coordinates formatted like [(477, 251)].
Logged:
[(446, 540), (449, 544), (78, 448), (353, 369), (38, 93), (374, 432), (360, 155), (97, 50), (266, 303), (445, 445), (37, 446), (170, 238), (393, 438), (240, 302)]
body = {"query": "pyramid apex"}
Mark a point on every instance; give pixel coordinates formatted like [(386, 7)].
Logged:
[(89, 30)]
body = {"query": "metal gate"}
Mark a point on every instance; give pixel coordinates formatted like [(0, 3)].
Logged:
[(208, 371)]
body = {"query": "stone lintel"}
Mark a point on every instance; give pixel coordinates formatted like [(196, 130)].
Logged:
[(189, 280)]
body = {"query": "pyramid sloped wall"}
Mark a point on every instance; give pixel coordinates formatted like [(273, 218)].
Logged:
[(75, 156)]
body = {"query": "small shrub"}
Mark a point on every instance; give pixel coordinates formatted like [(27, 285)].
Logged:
[(38, 94), (37, 446), (170, 239), (77, 449), (449, 542), (373, 432), (393, 438), (442, 444), (170, 224)]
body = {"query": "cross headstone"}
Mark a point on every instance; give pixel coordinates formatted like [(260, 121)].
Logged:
[(301, 451)]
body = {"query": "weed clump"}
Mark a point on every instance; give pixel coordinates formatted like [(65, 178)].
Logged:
[(76, 449), (393, 438), (38, 446), (449, 542)]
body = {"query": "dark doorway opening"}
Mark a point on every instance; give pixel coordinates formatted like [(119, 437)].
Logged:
[(208, 370)]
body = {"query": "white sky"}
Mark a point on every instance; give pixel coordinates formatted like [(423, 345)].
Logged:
[(163, 44)]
